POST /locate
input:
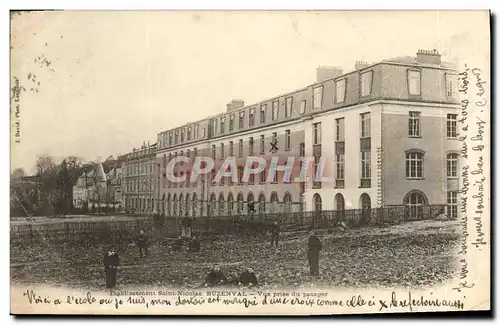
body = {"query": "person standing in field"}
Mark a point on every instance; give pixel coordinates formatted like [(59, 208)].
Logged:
[(314, 246), (111, 262), (186, 226), (275, 233), (142, 243)]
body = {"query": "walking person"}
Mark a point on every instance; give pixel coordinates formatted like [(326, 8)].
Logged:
[(314, 246), (275, 233), (111, 262), (142, 243)]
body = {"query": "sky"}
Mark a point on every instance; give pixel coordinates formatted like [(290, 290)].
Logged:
[(118, 78)]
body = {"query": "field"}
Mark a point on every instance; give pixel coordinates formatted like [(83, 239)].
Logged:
[(408, 255)]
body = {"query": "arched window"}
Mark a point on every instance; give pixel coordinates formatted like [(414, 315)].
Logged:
[(365, 202), (213, 205), (249, 199), (240, 203), (274, 203), (188, 205), (452, 165), (174, 203), (262, 203), (230, 203), (181, 205), (168, 204), (339, 202), (415, 201), (317, 203), (287, 202), (414, 164), (194, 204), (222, 204)]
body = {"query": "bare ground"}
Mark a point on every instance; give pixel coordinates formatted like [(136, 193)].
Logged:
[(409, 255)]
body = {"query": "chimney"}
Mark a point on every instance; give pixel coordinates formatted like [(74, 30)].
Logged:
[(235, 104), (428, 57), (327, 72), (360, 65)]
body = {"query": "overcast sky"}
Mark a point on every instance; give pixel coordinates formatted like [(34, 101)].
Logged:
[(119, 78)]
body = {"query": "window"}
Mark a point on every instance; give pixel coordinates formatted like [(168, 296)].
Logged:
[(366, 83), (214, 126), (275, 137), (452, 165), (317, 133), (316, 184), (240, 174), (222, 151), (339, 129), (262, 114), (195, 131), (182, 135), (317, 97), (240, 148), (195, 152), (275, 109), (231, 122), (275, 177), (414, 125), (414, 82), (302, 107), (203, 133), (240, 121), (170, 139), (340, 91), (189, 133), (250, 147), (287, 140), (451, 125), (222, 124), (365, 125), (263, 176), (231, 152), (339, 171), (450, 85), (262, 144), (288, 106), (365, 165), (251, 179), (213, 152), (452, 208), (176, 139), (251, 117), (415, 202), (414, 165)]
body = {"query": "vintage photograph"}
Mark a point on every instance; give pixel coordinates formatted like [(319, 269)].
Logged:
[(249, 162)]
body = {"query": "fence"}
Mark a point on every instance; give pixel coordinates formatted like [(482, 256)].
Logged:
[(90, 233)]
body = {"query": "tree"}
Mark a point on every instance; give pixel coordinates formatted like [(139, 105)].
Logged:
[(17, 174), (47, 172)]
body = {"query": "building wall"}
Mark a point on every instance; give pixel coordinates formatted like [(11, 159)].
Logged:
[(267, 188), (433, 142), (352, 190), (139, 180)]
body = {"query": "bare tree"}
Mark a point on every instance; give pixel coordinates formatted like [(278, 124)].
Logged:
[(17, 173)]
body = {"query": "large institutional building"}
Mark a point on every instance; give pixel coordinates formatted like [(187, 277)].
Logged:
[(139, 179), (386, 132)]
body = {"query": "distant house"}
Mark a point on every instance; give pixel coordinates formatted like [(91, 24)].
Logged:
[(114, 177), (90, 188)]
